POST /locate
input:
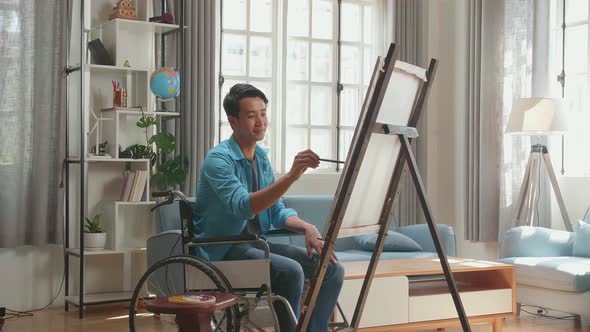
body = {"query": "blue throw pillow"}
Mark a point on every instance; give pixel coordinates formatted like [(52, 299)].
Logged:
[(582, 241), (394, 241)]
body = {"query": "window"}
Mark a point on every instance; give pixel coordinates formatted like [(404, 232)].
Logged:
[(248, 55), (314, 78), (576, 101)]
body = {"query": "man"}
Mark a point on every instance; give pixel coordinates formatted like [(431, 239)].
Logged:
[(237, 193)]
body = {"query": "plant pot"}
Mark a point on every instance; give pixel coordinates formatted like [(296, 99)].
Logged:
[(94, 241)]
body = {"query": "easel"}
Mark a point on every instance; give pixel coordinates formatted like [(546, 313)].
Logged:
[(366, 126)]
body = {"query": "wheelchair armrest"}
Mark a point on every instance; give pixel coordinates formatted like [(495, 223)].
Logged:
[(281, 232), (230, 238)]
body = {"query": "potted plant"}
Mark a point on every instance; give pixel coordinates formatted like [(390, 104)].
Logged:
[(167, 170), (94, 237)]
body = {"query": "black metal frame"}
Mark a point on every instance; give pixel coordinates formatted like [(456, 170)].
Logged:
[(367, 125), (82, 160)]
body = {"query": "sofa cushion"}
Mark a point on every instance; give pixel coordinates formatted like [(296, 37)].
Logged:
[(394, 241), (361, 255), (582, 241), (560, 273), (527, 241)]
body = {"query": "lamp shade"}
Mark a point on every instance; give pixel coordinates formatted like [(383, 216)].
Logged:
[(536, 116)]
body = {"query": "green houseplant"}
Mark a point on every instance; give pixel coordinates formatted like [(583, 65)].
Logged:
[(167, 170), (94, 237)]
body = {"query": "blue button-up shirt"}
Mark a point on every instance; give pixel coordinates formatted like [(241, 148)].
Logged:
[(222, 206)]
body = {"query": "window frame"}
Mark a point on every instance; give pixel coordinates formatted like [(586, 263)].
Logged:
[(572, 75), (279, 81)]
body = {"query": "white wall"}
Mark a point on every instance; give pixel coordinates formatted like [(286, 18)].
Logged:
[(576, 197), (30, 276)]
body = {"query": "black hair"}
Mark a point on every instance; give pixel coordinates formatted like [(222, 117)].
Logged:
[(231, 102)]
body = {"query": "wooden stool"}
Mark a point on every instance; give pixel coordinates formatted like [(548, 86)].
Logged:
[(192, 317)]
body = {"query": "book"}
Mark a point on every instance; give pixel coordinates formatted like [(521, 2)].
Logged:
[(133, 186), (203, 299), (129, 186), (100, 56), (140, 188), (125, 188)]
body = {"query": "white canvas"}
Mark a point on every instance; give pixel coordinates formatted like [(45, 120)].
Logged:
[(368, 194), (400, 95), (376, 170)]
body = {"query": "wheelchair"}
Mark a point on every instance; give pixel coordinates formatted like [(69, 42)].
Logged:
[(172, 271)]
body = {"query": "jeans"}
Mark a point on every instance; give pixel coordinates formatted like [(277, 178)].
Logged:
[(289, 267)]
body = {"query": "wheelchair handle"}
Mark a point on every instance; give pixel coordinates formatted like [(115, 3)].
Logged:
[(168, 201), (161, 193), (169, 194)]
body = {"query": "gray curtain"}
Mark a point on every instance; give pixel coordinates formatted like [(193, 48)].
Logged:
[(500, 70), (200, 96), (407, 20), (195, 131), (32, 88)]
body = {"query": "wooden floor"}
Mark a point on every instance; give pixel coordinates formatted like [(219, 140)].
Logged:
[(113, 318)]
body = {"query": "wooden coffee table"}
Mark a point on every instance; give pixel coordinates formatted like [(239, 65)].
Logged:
[(412, 294)]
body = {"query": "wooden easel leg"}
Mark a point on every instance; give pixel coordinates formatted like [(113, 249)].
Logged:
[(413, 167)]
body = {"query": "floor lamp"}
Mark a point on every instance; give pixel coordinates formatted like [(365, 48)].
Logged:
[(536, 117)]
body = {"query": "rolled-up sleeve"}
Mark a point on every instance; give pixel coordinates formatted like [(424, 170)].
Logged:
[(279, 213), (218, 172)]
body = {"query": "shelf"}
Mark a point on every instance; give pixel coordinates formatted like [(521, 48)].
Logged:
[(100, 298), (76, 252), (109, 69), (98, 159), (142, 25), (135, 111), (135, 203)]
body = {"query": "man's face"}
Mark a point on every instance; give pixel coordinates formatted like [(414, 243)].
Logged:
[(251, 124)]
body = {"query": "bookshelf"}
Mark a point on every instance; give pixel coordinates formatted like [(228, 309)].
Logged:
[(117, 188)]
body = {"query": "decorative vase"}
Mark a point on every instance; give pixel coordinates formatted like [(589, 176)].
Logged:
[(94, 241)]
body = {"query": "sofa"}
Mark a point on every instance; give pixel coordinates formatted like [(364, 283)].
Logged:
[(315, 209), (552, 266)]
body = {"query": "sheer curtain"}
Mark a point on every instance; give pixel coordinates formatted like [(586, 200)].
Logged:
[(32, 87), (500, 70)]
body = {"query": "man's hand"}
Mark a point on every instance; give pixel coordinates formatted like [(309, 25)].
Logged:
[(304, 160), (313, 242)]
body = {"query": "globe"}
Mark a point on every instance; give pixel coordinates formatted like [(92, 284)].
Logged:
[(165, 83)]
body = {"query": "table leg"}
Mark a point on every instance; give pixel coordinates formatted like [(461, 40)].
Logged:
[(497, 325), (200, 322)]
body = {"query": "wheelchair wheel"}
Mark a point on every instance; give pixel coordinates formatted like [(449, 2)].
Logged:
[(173, 276)]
